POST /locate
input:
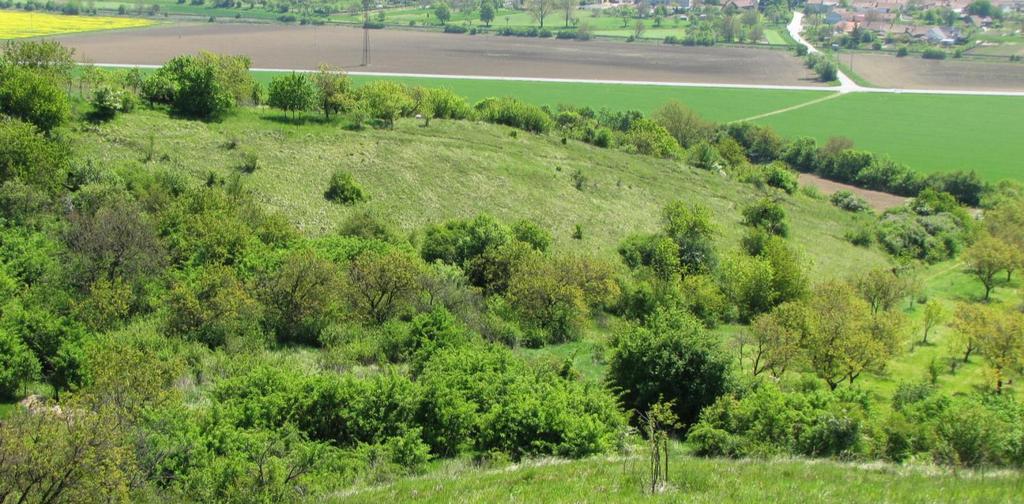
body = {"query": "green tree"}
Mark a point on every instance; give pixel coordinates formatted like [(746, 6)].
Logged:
[(986, 258), (27, 156), (332, 90), (568, 7), (386, 101), (380, 286), (692, 230), (291, 93), (301, 297), (934, 315), (685, 125), (999, 336), (539, 9), (775, 339), (766, 215), (18, 366), (487, 12), (840, 323), (442, 12), (669, 358)]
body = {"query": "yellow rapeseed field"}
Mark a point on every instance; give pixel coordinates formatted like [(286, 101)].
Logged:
[(19, 24)]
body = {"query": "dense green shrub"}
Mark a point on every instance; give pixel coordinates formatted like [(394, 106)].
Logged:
[(848, 201), (291, 93), (32, 97), (767, 421), (515, 113), (779, 175), (386, 101), (766, 215), (933, 53), (342, 188), (29, 157), (482, 399), (206, 86), (670, 357), (651, 139)]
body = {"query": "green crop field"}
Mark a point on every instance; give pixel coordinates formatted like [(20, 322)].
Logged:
[(928, 132)]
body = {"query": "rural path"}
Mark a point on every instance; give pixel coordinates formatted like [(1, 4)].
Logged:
[(788, 109), (795, 26)]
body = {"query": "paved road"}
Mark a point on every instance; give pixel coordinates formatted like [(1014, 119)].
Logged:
[(795, 26)]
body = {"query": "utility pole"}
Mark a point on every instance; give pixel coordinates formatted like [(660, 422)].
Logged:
[(366, 33)]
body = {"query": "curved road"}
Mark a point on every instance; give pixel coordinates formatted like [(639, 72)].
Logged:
[(795, 26)]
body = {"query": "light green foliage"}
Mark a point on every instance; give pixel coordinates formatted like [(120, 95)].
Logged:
[(27, 156), (32, 97), (650, 138), (386, 101), (343, 189), (18, 365), (292, 93)]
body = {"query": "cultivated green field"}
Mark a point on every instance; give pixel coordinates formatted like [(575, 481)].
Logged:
[(928, 132), (696, 480)]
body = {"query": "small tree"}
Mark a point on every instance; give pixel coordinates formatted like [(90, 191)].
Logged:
[(332, 88), (291, 93), (986, 258), (443, 13), (567, 7), (539, 9), (638, 29), (934, 315), (656, 424), (487, 12), (766, 215)]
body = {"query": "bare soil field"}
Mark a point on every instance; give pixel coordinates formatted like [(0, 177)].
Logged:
[(879, 201), (402, 51), (914, 72)]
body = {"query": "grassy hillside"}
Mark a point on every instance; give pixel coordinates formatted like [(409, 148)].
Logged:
[(457, 169), (696, 480)]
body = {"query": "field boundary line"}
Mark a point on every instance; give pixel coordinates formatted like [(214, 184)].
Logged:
[(714, 85), (790, 108)]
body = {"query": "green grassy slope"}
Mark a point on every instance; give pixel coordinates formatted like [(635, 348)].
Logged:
[(458, 169), (695, 480)]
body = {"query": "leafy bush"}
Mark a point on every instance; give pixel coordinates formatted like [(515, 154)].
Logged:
[(766, 215), (768, 422), (386, 101), (779, 175), (291, 93), (32, 97), (651, 139), (848, 201), (343, 189), (514, 113), (933, 53), (668, 358)]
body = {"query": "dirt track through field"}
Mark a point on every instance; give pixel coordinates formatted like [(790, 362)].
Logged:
[(305, 47), (879, 201)]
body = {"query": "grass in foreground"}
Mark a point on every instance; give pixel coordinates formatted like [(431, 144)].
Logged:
[(16, 24), (456, 169), (697, 480)]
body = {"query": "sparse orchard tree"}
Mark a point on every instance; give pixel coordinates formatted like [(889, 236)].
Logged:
[(638, 29), (291, 93), (443, 13), (540, 9), (840, 323), (332, 89), (487, 12), (776, 337), (380, 285), (567, 7), (986, 259), (934, 315), (881, 288)]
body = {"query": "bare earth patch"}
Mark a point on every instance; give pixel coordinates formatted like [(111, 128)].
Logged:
[(879, 201), (914, 72), (405, 51)]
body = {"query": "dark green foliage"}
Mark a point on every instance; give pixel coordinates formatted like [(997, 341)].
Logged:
[(459, 241), (649, 138), (931, 227), (766, 215), (214, 308), (206, 86), (670, 357), (779, 175), (761, 143), (343, 189)]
